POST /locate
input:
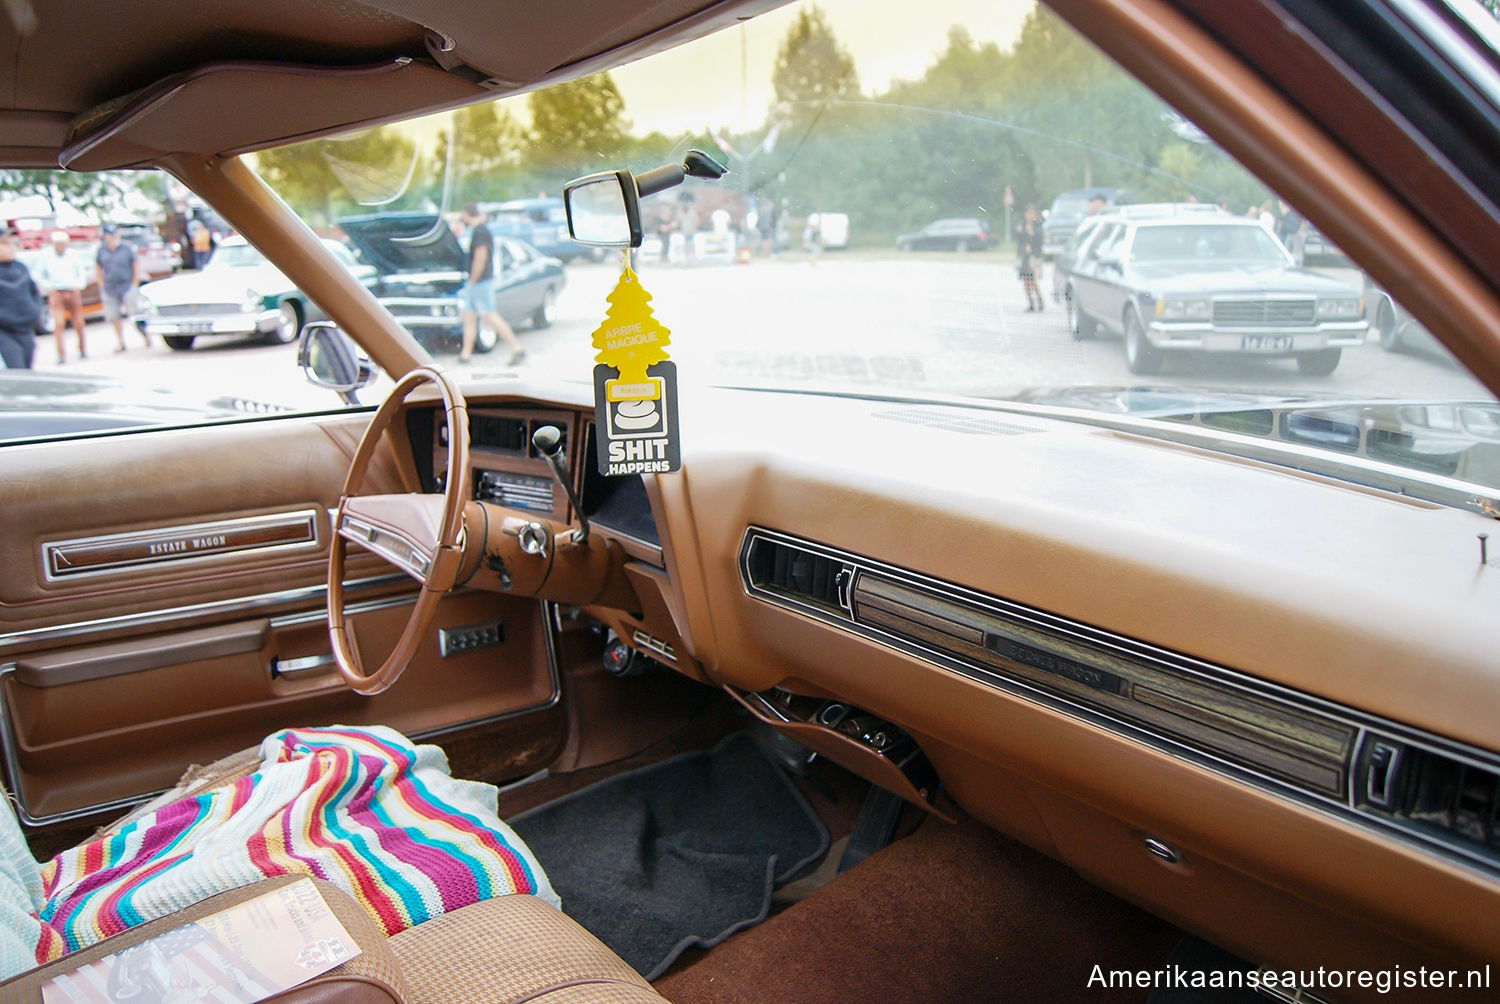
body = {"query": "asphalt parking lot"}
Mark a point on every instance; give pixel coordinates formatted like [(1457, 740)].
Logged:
[(933, 322)]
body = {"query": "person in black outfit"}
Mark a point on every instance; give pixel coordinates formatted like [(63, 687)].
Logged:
[(1029, 258), (20, 306)]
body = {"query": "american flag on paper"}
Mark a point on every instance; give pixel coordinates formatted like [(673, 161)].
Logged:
[(243, 954)]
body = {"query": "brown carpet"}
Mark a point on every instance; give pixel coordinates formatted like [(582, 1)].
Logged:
[(951, 913)]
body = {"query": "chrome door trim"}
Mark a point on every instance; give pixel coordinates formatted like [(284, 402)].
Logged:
[(77, 630), (180, 544)]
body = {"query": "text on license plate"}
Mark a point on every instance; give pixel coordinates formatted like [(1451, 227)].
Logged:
[(1266, 343), (194, 327)]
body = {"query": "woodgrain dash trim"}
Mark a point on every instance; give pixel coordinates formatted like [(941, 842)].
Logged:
[(115, 552)]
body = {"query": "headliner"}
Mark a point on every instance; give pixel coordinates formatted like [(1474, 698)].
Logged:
[(95, 84)]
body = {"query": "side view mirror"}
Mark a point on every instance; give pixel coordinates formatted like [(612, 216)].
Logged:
[(331, 359), (1111, 263), (604, 210)]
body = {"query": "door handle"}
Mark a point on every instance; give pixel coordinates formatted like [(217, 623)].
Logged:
[(306, 666)]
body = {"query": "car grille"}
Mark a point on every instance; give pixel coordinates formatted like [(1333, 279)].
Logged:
[(198, 309), (1264, 313)]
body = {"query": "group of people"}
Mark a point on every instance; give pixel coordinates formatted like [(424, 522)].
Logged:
[(62, 274)]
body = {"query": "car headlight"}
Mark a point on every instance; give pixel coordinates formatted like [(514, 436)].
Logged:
[(1183, 310), (1343, 308), (144, 304)]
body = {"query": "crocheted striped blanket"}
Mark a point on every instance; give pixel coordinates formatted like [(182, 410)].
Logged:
[(363, 808)]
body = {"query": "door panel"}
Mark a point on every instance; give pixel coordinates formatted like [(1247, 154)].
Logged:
[(77, 743), (159, 612)]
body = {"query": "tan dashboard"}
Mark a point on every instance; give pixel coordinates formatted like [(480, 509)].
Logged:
[(1173, 670)]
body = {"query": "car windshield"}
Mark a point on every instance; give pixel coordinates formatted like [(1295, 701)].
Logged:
[(1194, 243), (879, 231)]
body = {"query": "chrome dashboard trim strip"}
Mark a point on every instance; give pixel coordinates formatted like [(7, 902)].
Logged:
[(157, 618), (1342, 808)]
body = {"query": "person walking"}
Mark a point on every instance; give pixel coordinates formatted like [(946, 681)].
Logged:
[(203, 242), (64, 274), (20, 306), (476, 298), (1029, 258), (117, 272)]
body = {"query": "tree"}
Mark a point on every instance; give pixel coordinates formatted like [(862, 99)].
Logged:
[(577, 126), (102, 192), (812, 68), (324, 178), (486, 150)]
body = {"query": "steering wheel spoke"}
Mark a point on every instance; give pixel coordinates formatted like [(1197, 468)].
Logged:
[(402, 529)]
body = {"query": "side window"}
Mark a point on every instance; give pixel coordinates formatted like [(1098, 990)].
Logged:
[(207, 335), (1109, 236)]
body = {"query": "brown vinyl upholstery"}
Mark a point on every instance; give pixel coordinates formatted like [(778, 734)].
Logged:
[(510, 950), (374, 977)]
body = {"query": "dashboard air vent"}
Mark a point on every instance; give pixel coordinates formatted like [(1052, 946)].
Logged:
[(798, 573), (495, 432), (1443, 796)]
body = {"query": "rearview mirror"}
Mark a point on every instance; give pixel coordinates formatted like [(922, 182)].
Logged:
[(604, 210), (331, 359)]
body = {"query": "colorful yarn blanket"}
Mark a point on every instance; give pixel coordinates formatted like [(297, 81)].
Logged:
[(363, 808)]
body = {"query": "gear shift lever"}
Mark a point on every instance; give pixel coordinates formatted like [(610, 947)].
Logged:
[(547, 441)]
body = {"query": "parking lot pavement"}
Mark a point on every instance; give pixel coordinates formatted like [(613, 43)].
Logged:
[(919, 323)]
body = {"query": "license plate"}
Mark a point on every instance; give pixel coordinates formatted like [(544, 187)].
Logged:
[(1266, 343), (195, 327)]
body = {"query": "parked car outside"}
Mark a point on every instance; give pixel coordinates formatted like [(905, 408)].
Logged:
[(157, 257), (1398, 331), (419, 266), (540, 222), (35, 403), (829, 230), (1208, 283), (1070, 209), (1067, 258), (238, 292), (961, 234)]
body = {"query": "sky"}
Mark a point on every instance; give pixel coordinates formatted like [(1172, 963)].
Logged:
[(886, 42)]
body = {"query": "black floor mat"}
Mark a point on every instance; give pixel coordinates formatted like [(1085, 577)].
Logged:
[(683, 852)]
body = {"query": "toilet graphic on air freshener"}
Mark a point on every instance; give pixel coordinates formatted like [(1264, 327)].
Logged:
[(635, 386)]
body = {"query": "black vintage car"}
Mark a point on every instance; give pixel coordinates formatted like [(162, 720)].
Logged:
[(1209, 283), (420, 266)]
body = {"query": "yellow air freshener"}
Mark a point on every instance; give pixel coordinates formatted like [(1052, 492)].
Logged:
[(635, 386)]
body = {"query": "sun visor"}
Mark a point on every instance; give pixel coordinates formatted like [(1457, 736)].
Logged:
[(233, 107)]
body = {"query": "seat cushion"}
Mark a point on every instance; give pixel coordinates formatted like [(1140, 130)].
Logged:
[(510, 950), (372, 976), (363, 808)]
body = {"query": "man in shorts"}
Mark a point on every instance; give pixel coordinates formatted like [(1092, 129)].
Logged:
[(118, 273), (64, 274), (476, 298)]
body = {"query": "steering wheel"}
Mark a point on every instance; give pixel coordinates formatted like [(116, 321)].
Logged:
[(421, 534)]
